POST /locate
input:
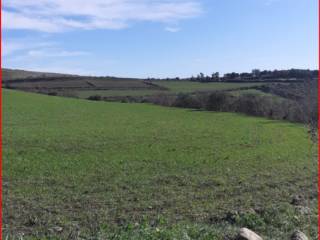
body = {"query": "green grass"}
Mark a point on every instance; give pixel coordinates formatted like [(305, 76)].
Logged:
[(174, 87), (137, 171), (113, 93), (188, 86), (250, 91)]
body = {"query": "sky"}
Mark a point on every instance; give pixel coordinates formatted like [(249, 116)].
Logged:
[(159, 38)]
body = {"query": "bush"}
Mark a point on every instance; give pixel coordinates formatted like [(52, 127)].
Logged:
[(304, 110), (95, 98), (217, 101), (53, 94), (161, 99), (187, 101)]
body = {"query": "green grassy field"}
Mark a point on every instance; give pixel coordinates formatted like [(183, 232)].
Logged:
[(122, 93), (173, 87), (137, 171), (250, 91), (188, 86)]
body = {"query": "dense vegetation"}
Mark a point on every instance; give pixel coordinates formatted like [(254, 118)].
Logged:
[(256, 75), (282, 95), (76, 168), (280, 103), (295, 102)]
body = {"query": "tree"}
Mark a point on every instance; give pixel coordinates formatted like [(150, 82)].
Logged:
[(215, 76)]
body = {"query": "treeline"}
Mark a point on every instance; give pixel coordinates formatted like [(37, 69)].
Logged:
[(291, 102), (249, 104), (301, 111), (256, 75)]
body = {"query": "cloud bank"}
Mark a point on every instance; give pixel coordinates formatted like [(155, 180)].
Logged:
[(64, 15)]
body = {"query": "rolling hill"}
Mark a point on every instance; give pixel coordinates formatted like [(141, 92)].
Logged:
[(16, 74), (139, 171), (86, 86)]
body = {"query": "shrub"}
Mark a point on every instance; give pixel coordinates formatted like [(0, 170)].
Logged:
[(187, 101), (216, 101), (53, 94), (95, 98), (161, 99)]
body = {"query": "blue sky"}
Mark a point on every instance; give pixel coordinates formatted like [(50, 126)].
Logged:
[(159, 38)]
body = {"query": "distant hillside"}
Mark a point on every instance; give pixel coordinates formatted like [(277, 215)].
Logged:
[(58, 84), (15, 74)]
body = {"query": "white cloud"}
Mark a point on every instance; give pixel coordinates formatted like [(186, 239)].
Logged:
[(13, 45), (13, 20), (41, 54), (55, 53), (61, 15), (9, 48), (22, 50), (172, 29)]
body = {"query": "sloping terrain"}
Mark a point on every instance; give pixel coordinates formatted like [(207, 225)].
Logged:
[(136, 171), (86, 86), (58, 84), (78, 83), (15, 74)]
